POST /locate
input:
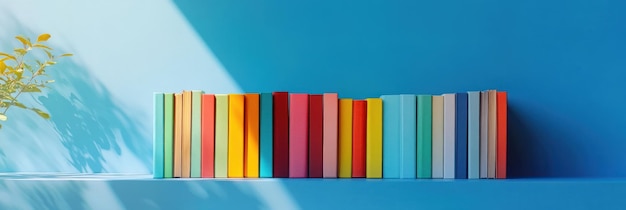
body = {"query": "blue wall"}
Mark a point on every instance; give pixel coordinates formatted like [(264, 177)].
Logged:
[(562, 63)]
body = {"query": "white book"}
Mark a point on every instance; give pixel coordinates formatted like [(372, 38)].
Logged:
[(473, 135), (492, 136), (437, 137), (484, 125), (449, 135)]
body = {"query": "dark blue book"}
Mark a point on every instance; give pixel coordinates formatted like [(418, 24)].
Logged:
[(460, 163)]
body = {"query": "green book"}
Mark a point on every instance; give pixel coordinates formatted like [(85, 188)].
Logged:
[(196, 133), (221, 135), (168, 134), (157, 151), (424, 136)]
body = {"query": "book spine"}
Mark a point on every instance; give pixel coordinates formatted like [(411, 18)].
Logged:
[(345, 138), (208, 136), (178, 137), (437, 137), (359, 120), (408, 137), (484, 140), (235, 135), (502, 135), (186, 143), (424, 136), (473, 135), (168, 135), (221, 135), (298, 135), (449, 135), (392, 148), (251, 139), (374, 139), (331, 120), (158, 132), (316, 136), (461, 137), (267, 136), (281, 134), (492, 135), (196, 133)]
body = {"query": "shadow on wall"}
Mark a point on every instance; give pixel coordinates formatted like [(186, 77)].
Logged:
[(88, 130)]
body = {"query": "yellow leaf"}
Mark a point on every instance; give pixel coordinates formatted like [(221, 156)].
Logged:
[(3, 117), (3, 67), (7, 55), (43, 37), (42, 46), (67, 54), (24, 41)]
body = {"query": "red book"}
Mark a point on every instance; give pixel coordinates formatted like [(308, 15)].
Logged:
[(208, 136), (299, 135), (359, 128), (501, 140), (281, 134), (316, 136)]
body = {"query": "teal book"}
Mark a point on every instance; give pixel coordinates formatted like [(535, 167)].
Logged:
[(473, 135), (392, 149), (408, 141), (221, 135), (266, 136), (424, 136), (158, 146), (168, 135), (196, 133)]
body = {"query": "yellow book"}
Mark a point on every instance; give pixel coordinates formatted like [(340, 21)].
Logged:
[(186, 140), (235, 135), (345, 138), (178, 137), (252, 135), (374, 139)]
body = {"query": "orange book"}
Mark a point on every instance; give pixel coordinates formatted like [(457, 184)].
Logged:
[(501, 141), (251, 138), (235, 135), (359, 128), (186, 139), (178, 137)]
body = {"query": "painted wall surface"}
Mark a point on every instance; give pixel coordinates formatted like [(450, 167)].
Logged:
[(561, 62)]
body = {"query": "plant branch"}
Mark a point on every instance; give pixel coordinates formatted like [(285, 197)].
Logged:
[(28, 83)]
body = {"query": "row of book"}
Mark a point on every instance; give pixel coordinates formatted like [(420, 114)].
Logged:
[(299, 135)]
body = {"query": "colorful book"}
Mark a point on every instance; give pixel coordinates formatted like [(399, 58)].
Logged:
[(281, 134), (235, 135), (298, 135), (157, 136), (484, 125), (345, 138), (331, 120), (473, 135), (374, 139), (251, 138), (316, 136), (196, 133), (437, 137), (178, 136), (502, 135), (168, 135), (492, 135), (460, 163), (221, 135), (424, 136), (392, 147), (208, 136), (359, 128), (449, 135), (408, 137), (266, 116), (186, 140)]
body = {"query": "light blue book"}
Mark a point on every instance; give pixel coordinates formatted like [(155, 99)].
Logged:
[(473, 135), (449, 135), (392, 149), (196, 133), (158, 129), (408, 138), (266, 136)]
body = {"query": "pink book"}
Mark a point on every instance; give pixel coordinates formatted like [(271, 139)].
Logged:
[(331, 120), (298, 135)]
